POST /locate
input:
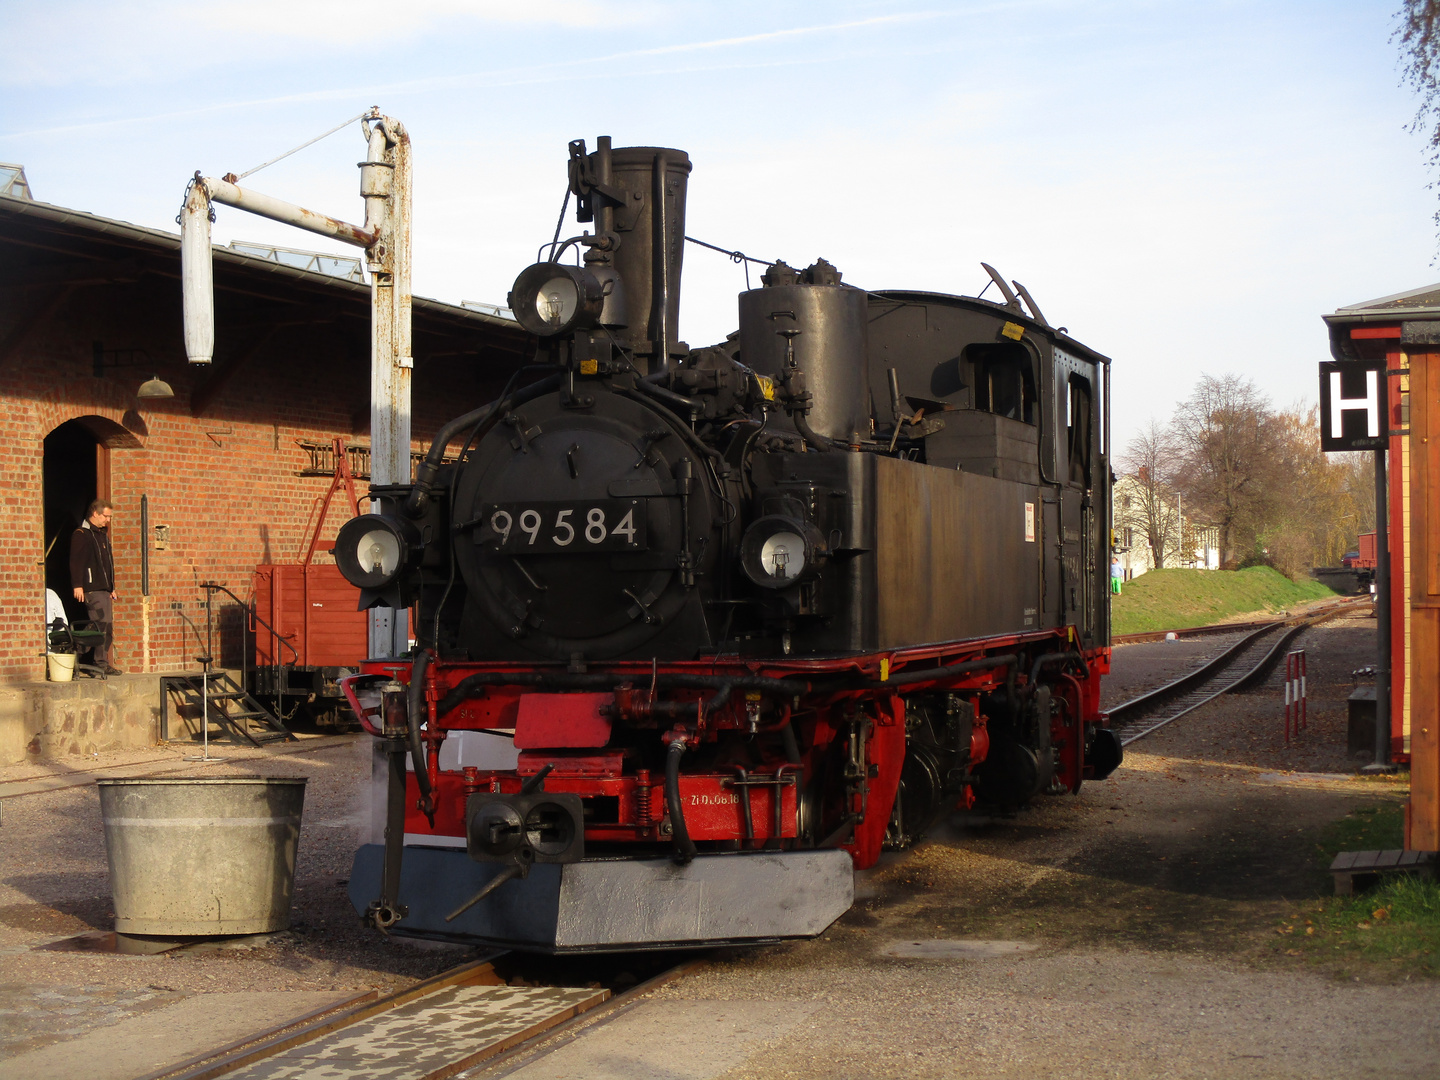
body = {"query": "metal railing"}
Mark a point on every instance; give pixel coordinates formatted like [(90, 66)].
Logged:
[(253, 616)]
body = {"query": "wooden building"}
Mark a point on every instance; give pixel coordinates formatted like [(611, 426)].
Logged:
[(1404, 330)]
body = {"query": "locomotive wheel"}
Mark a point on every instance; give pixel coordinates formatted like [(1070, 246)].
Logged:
[(1011, 775), (922, 788)]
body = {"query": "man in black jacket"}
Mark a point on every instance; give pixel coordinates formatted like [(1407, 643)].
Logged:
[(92, 573)]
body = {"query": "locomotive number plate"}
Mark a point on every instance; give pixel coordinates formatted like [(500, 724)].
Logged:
[(554, 528)]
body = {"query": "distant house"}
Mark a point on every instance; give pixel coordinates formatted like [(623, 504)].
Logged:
[(1186, 544)]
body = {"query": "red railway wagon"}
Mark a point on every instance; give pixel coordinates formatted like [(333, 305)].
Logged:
[(308, 630)]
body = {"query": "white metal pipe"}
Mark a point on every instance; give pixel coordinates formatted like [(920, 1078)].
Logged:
[(197, 281), (278, 210), (377, 176), (386, 187)]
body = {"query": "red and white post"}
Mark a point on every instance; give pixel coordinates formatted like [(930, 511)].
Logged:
[(1295, 698)]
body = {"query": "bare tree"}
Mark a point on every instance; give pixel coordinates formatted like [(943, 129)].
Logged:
[(1228, 441), (1360, 486), (1147, 504), (1311, 515), (1418, 33)]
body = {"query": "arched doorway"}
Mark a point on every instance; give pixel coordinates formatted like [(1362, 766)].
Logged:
[(76, 471)]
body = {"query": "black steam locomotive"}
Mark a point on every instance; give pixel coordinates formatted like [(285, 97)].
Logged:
[(701, 631)]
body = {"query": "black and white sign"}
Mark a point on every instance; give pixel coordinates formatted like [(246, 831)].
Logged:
[(1353, 410)]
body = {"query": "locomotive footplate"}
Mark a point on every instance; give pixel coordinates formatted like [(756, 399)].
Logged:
[(612, 905)]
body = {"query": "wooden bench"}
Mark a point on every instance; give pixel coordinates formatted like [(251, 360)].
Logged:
[(1356, 871)]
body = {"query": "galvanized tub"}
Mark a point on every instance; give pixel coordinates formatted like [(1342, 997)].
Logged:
[(204, 856)]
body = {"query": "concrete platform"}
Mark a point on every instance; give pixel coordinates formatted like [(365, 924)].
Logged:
[(144, 1044), (439, 1034), (48, 721)]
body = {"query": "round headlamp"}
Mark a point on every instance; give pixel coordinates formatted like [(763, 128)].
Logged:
[(550, 299), (374, 550), (778, 551)]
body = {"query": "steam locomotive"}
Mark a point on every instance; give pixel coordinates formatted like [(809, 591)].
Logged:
[(702, 631)]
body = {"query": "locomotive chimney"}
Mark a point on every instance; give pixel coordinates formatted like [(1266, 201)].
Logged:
[(637, 194)]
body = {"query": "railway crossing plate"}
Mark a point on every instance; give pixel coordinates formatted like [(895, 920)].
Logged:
[(433, 1037)]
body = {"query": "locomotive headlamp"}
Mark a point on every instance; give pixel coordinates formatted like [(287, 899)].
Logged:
[(782, 555), (779, 551), (374, 553), (550, 299)]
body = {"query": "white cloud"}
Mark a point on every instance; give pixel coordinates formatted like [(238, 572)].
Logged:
[(88, 42)]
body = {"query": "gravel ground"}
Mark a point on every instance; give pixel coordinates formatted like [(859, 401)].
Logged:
[(54, 885), (1127, 932), (1249, 728), (1136, 925)]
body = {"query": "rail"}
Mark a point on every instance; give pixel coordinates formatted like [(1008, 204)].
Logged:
[(1138, 711), (448, 1048), (1193, 631)]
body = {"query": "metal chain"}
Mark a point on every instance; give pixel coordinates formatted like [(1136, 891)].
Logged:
[(186, 198)]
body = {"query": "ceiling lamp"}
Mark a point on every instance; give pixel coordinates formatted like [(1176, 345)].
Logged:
[(154, 388)]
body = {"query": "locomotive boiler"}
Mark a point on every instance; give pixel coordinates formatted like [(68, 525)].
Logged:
[(702, 631)]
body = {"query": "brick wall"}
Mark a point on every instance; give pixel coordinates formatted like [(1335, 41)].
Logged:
[(224, 482)]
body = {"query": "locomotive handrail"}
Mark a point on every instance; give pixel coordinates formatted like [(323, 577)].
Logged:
[(414, 704), (430, 466), (213, 586), (254, 615), (724, 685), (927, 674), (347, 684)]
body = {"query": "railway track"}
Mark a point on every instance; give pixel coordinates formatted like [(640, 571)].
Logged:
[(475, 1015), (1193, 631), (1240, 666)]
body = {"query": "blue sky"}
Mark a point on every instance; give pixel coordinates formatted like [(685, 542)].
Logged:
[(1186, 187)]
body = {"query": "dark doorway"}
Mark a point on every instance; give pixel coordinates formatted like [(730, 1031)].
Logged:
[(75, 473)]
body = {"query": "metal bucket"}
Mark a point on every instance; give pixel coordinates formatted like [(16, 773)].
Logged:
[(202, 856)]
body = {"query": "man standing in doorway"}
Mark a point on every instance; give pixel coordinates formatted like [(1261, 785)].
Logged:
[(1117, 575), (92, 573)]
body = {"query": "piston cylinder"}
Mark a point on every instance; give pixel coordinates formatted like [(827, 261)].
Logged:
[(830, 348)]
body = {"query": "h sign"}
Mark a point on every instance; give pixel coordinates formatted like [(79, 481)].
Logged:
[(1353, 412)]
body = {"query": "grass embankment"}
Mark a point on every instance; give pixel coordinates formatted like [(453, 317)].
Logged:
[(1175, 599), (1392, 929)]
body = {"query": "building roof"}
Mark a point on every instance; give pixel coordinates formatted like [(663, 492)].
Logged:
[(90, 236), (1372, 328), (13, 182), (1425, 299)]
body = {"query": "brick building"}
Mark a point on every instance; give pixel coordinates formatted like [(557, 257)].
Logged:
[(89, 309)]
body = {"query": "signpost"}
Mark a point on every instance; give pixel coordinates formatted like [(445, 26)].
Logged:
[(1355, 415)]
